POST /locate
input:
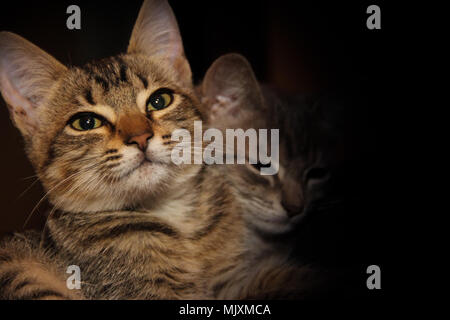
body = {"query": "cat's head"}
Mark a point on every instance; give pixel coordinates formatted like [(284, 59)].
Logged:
[(99, 136), (233, 98)]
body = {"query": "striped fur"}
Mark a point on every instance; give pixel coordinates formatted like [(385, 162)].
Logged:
[(28, 272), (138, 230), (275, 207), (147, 255)]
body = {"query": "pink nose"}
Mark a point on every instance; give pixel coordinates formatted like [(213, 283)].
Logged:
[(140, 140)]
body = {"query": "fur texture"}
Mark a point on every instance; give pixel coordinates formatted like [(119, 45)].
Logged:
[(29, 273), (139, 226)]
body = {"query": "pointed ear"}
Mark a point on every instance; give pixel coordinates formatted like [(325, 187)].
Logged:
[(26, 76), (231, 93), (156, 34)]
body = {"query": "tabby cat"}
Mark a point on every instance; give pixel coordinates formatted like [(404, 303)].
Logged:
[(138, 225), (277, 206)]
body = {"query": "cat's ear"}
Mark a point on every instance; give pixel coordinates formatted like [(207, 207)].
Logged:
[(156, 34), (231, 93), (26, 76)]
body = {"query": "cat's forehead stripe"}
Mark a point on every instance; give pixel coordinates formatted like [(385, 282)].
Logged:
[(88, 96), (108, 73), (144, 81), (116, 71)]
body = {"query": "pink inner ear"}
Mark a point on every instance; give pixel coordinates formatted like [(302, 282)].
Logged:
[(21, 109)]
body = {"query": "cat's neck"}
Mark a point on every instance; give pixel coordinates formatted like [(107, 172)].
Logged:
[(177, 206), (188, 206)]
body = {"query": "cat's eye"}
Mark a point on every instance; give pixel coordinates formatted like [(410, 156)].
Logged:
[(160, 99), (86, 121)]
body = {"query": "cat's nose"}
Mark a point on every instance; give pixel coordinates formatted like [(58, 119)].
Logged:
[(292, 209), (141, 140)]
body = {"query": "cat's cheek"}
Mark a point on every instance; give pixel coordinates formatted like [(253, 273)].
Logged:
[(158, 153)]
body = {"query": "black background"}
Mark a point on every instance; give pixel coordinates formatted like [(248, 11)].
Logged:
[(308, 47)]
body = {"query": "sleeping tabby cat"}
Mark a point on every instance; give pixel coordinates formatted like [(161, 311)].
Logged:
[(139, 226), (276, 207)]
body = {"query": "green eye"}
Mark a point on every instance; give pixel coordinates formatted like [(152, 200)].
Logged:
[(84, 122), (160, 99)]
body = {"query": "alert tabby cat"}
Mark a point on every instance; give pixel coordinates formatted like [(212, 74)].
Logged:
[(139, 226)]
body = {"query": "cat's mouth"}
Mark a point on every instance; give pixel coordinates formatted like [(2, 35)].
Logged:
[(148, 162), (144, 164)]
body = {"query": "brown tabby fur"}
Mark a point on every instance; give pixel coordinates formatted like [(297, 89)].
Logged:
[(159, 230), (154, 231), (29, 273)]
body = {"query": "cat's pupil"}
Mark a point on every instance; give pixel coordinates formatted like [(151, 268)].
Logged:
[(87, 122), (158, 102)]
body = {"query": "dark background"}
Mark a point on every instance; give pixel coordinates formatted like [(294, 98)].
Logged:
[(311, 47)]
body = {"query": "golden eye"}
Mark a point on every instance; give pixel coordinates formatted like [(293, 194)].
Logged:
[(86, 121), (159, 100)]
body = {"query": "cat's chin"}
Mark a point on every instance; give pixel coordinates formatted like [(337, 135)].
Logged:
[(278, 222), (148, 178)]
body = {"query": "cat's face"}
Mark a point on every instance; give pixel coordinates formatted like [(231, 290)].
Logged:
[(274, 203), (99, 136), (107, 133)]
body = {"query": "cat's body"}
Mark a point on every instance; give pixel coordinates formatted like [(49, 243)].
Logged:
[(168, 252)]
